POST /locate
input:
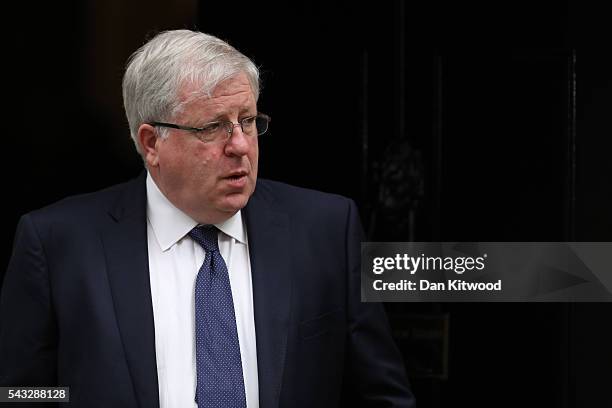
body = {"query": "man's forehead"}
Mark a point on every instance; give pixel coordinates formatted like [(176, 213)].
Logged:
[(241, 94), (237, 83), (191, 91)]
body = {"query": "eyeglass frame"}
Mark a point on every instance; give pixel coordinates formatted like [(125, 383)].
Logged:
[(225, 123)]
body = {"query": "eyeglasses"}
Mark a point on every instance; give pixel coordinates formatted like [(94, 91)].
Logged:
[(223, 130)]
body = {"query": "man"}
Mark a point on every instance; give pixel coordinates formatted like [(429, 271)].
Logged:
[(196, 284)]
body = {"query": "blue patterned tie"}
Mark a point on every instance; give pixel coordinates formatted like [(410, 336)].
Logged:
[(219, 366)]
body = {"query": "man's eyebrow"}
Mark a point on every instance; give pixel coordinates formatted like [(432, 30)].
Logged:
[(221, 117), (218, 118), (248, 109)]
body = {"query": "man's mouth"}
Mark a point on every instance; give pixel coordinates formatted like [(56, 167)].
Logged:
[(237, 175), (237, 179)]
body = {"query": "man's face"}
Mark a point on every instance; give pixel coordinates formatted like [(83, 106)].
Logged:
[(209, 181)]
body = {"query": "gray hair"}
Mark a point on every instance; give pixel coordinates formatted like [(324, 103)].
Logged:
[(158, 70)]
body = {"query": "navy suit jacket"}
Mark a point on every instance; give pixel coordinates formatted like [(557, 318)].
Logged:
[(76, 303)]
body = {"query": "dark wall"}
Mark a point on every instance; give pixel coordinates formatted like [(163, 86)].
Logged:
[(64, 128), (445, 121)]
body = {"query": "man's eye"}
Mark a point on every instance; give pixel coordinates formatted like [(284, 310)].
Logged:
[(248, 121), (211, 127)]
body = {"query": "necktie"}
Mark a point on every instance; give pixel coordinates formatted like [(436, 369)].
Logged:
[(219, 367)]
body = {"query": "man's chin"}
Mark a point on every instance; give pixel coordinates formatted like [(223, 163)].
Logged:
[(233, 203)]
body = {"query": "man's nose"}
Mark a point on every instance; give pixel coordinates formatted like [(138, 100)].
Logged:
[(238, 142), (231, 129)]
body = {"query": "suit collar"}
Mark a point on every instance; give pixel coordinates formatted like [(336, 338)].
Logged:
[(125, 244), (269, 237)]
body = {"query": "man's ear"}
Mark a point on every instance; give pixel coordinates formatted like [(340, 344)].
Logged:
[(147, 141)]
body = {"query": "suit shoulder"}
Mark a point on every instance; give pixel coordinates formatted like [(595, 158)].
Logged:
[(81, 206), (303, 200)]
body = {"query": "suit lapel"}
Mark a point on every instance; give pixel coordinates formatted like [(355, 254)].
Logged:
[(125, 245), (268, 236)]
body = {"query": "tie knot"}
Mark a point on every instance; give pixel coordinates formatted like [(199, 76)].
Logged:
[(206, 236)]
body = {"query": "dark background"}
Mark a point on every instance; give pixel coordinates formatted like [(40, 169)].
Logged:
[(445, 121)]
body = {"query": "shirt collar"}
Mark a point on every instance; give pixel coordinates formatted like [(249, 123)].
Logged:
[(170, 224), (234, 227)]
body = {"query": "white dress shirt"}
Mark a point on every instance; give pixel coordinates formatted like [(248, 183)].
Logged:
[(174, 262)]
